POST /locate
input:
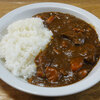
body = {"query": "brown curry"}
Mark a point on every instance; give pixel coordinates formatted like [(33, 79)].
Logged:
[(71, 54)]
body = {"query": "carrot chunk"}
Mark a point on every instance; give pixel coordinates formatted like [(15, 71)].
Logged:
[(76, 63), (50, 19)]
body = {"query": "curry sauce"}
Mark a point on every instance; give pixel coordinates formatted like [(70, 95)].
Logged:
[(70, 55)]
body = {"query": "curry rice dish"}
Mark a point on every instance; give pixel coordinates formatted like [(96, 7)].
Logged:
[(51, 49)]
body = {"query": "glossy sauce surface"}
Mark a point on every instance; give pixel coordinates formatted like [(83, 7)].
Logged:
[(71, 54)]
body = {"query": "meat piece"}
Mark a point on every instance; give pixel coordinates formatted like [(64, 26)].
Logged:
[(40, 72), (82, 73), (76, 63), (76, 38), (52, 74), (50, 19)]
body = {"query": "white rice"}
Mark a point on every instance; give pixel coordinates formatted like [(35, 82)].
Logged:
[(22, 43)]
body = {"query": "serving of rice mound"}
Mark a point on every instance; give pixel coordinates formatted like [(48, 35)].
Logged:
[(23, 42)]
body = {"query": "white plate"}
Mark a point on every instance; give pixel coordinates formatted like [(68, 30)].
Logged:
[(29, 11)]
